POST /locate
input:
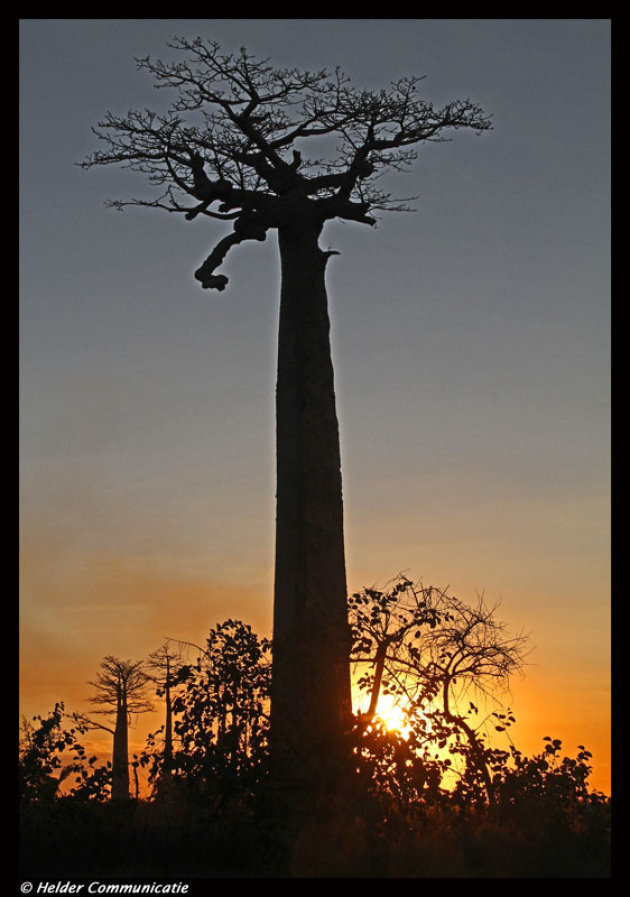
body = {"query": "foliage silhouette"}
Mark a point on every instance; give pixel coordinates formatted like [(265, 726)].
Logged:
[(410, 817), (50, 756), (221, 716)]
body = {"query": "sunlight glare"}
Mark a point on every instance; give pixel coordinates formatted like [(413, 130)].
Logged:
[(392, 714)]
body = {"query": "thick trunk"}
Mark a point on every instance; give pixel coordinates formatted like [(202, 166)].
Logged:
[(311, 702), (120, 758)]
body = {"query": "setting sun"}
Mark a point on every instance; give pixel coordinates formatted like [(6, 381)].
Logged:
[(392, 714)]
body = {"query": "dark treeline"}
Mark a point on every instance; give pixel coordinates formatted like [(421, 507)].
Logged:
[(434, 798)]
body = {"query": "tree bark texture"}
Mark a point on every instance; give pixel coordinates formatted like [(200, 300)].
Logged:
[(311, 699)]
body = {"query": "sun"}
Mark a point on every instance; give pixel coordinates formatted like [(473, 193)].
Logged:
[(391, 713)]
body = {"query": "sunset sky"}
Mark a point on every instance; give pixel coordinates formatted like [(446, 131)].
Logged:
[(470, 341)]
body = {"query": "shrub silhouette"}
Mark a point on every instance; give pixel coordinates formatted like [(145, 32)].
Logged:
[(420, 803)]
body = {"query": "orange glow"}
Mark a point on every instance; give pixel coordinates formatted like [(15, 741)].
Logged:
[(392, 714), (74, 614)]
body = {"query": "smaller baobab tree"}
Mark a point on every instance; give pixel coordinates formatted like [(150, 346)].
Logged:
[(120, 693), (163, 668)]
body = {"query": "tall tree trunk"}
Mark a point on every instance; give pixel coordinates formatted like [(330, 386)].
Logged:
[(120, 758), (311, 701)]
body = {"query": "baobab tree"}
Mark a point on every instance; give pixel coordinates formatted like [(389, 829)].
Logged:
[(233, 147), (120, 692), (162, 668)]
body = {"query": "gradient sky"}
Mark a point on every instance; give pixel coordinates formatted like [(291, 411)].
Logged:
[(470, 340)]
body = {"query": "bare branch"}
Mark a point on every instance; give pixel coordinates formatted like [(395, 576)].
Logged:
[(90, 723), (246, 227), (225, 135)]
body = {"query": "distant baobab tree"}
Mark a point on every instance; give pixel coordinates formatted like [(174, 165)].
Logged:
[(162, 668), (233, 147), (120, 691)]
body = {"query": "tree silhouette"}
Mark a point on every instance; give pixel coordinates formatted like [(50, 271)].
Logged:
[(433, 652), (50, 755), (163, 667), (232, 147), (121, 691), (222, 715), (407, 819), (40, 750)]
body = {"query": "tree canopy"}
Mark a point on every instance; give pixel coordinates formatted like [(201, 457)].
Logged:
[(233, 143), (121, 683)]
